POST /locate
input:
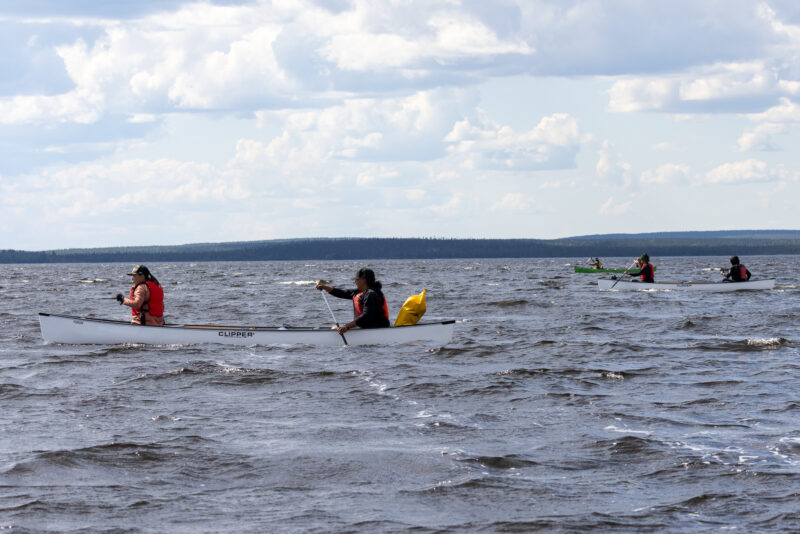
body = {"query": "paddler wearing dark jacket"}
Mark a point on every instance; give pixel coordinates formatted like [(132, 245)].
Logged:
[(646, 272), (738, 272), (369, 304)]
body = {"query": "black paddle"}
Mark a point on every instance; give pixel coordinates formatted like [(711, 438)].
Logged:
[(626, 272)]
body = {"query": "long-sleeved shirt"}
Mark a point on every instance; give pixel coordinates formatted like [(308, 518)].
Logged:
[(372, 301)]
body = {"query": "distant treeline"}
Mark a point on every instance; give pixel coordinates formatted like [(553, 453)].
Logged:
[(658, 244)]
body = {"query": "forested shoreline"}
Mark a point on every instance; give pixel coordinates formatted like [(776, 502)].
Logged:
[(754, 242)]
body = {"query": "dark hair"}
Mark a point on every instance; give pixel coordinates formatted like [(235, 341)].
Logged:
[(645, 258), (734, 260), (369, 276), (147, 275)]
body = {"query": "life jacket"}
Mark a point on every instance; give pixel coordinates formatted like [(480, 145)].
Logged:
[(742, 273), (154, 305), (643, 277), (359, 309)]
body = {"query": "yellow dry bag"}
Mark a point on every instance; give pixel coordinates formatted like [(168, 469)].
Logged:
[(413, 308)]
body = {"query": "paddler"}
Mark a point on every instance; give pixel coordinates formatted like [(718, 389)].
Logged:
[(595, 263), (738, 272), (369, 304), (646, 271), (145, 298)]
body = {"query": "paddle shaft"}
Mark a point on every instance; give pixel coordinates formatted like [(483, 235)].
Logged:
[(332, 315), (626, 272)]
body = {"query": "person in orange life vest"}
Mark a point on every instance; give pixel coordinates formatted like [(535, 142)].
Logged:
[(369, 304), (738, 272), (146, 298), (646, 271)]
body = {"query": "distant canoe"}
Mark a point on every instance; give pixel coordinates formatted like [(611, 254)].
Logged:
[(598, 271), (627, 285), (83, 330)]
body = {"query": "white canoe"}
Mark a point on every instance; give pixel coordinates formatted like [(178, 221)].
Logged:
[(83, 330), (628, 285)]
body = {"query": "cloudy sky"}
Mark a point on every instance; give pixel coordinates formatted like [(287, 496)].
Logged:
[(168, 122)]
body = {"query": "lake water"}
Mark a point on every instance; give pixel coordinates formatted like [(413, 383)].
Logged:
[(556, 407)]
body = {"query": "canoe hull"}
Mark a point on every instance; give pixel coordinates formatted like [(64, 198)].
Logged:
[(82, 330), (716, 287)]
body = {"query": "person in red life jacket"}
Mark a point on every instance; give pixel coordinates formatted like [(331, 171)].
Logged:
[(646, 272), (369, 304), (146, 298), (738, 272)]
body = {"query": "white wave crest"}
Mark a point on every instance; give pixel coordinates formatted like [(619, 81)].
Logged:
[(764, 342)]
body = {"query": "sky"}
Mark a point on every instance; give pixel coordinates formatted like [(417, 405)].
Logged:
[(164, 122)]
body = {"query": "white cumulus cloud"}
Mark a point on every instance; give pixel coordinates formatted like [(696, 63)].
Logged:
[(611, 168), (749, 171), (772, 122), (610, 207), (512, 202), (485, 144), (669, 173)]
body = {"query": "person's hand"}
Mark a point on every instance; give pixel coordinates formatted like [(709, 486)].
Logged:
[(120, 298), (342, 329), (322, 287)]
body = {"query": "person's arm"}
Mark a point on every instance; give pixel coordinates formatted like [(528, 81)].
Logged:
[(336, 292), (363, 318), (748, 273), (140, 295), (343, 293)]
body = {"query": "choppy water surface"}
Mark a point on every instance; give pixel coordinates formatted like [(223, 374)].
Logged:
[(556, 407)]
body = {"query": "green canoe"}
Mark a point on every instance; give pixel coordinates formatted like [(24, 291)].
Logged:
[(593, 270)]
